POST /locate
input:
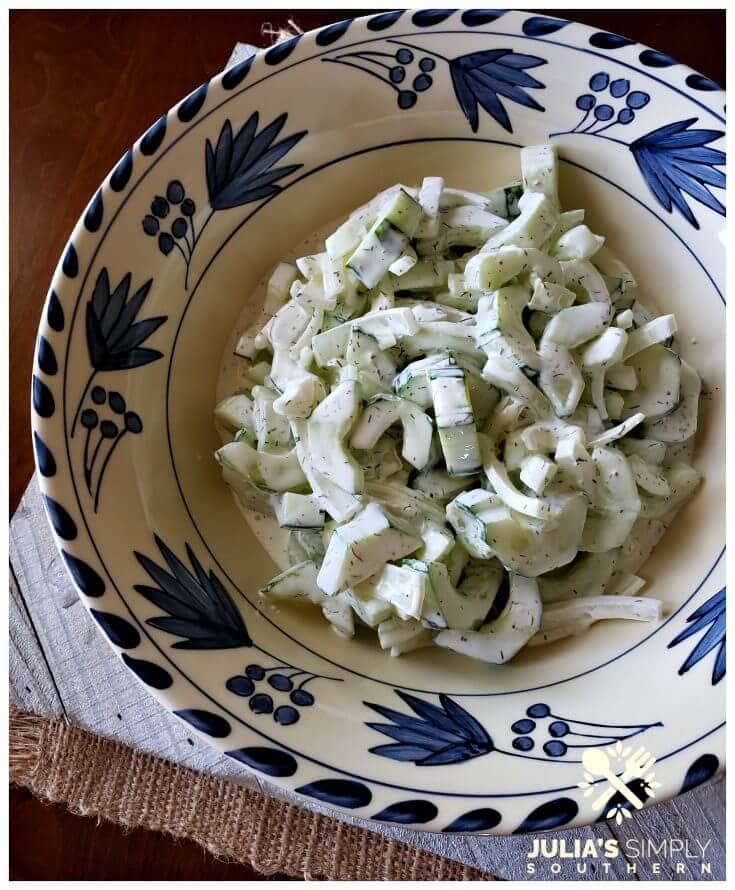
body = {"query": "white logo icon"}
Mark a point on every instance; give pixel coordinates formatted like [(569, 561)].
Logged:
[(607, 764)]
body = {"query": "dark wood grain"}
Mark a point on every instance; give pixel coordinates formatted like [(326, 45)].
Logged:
[(83, 86)]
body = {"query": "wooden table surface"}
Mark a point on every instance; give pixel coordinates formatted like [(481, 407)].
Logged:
[(83, 87)]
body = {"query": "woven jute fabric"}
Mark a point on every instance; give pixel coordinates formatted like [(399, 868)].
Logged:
[(95, 776)]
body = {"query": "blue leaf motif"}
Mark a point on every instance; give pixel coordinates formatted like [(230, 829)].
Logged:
[(710, 618), (674, 160), (240, 169), (437, 735), (114, 339), (198, 607), (482, 78)]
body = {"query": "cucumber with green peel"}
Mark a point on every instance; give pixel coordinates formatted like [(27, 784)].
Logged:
[(614, 404), (387, 239), (299, 511), (429, 197), (649, 478), (404, 502), (455, 421), (502, 312), (466, 608), (609, 264), (504, 201)]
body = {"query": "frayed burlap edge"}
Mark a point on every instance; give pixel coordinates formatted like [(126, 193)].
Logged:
[(95, 776)]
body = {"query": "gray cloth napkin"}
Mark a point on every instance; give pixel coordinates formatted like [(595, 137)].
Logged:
[(60, 665)]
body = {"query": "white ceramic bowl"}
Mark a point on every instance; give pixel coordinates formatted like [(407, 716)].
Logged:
[(124, 381)]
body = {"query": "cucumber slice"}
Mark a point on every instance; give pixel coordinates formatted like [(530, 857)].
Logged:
[(560, 379), (403, 636), (578, 243), (540, 171), (236, 413), (297, 582), (299, 511), (508, 377), (468, 607), (360, 548), (621, 377), (455, 421), (305, 545), (576, 616), (537, 472), (576, 325), (550, 297), (583, 278), (681, 424), (338, 612), (440, 485), (429, 198), (495, 267), (504, 201), (650, 450), (587, 575), (272, 430), (328, 426), (658, 370), (368, 608), (536, 222), (500, 640), (682, 480), (469, 226), (272, 472), (502, 312), (657, 330)]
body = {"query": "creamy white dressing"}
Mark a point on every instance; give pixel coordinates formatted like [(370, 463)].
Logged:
[(273, 539)]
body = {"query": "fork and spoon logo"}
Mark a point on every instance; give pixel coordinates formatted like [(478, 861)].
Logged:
[(606, 764)]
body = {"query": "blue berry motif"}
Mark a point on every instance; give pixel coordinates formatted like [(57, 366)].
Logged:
[(286, 679), (397, 74)]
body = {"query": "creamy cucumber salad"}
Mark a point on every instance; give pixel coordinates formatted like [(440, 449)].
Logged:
[(472, 423)]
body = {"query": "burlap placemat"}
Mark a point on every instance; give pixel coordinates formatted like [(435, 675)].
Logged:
[(95, 776)]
